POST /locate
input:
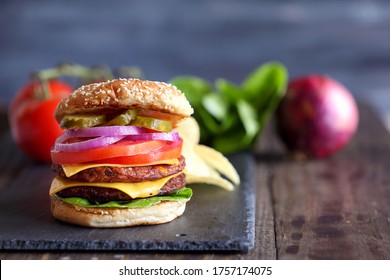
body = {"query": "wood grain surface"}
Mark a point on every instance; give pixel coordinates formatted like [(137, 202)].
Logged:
[(337, 208)]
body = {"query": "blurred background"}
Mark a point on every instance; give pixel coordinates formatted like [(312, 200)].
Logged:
[(348, 40)]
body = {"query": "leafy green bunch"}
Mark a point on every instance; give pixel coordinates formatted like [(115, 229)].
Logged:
[(231, 117)]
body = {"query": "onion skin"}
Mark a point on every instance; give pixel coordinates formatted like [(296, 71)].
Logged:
[(317, 117)]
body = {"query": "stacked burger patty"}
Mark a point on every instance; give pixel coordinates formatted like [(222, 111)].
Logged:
[(122, 174)]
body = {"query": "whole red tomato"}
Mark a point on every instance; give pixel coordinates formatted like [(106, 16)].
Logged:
[(31, 116)]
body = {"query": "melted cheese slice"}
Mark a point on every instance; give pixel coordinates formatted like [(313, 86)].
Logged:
[(134, 190), (71, 169)]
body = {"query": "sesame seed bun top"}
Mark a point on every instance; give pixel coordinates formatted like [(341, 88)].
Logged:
[(122, 94)]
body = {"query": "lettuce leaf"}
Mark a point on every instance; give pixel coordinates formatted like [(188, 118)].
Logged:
[(231, 117), (184, 193)]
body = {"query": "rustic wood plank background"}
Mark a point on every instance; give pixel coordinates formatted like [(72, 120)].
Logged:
[(345, 39), (336, 208)]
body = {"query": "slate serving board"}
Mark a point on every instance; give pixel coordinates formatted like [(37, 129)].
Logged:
[(215, 219)]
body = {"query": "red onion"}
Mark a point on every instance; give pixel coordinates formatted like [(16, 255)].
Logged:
[(107, 135), (317, 117), (87, 144), (105, 131), (165, 136)]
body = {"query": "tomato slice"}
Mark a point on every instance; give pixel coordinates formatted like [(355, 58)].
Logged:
[(122, 148), (169, 151), (159, 115)]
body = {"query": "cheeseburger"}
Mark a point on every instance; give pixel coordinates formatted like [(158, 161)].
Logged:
[(119, 160)]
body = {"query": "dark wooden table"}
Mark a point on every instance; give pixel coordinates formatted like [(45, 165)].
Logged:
[(337, 208)]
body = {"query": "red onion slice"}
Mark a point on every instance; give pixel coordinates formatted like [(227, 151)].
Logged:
[(105, 131), (107, 135), (62, 138), (87, 144), (165, 136), (132, 133)]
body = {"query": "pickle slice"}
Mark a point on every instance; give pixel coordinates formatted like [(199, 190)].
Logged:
[(82, 121), (124, 118), (151, 123)]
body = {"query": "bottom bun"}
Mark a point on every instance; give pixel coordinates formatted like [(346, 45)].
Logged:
[(163, 212)]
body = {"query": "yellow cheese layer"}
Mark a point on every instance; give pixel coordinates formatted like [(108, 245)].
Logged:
[(71, 169), (134, 190)]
